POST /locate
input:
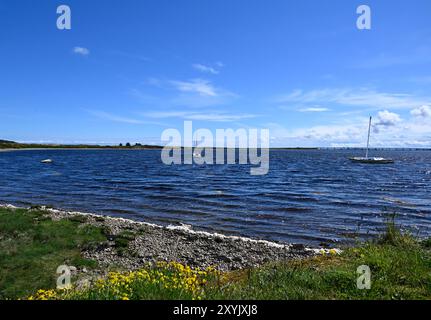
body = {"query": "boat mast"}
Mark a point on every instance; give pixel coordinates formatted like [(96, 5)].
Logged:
[(368, 141)]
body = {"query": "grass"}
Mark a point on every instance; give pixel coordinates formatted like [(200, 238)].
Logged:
[(31, 244), (397, 272)]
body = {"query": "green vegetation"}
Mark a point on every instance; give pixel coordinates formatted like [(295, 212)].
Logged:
[(161, 281), (5, 144), (401, 271), (32, 246)]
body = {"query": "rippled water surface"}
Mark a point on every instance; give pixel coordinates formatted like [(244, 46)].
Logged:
[(307, 196)]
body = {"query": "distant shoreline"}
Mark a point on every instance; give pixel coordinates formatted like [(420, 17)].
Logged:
[(6, 145), (160, 148), (12, 145), (71, 148)]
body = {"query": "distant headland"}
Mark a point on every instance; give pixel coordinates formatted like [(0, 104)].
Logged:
[(12, 145), (6, 144)]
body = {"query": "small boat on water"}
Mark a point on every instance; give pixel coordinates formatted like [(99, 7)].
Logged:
[(371, 160), (47, 161), (195, 153)]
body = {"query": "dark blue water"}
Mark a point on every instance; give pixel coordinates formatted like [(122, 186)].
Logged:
[(307, 197)]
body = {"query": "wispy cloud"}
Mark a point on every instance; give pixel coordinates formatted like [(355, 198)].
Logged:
[(194, 93), (108, 116), (81, 50), (115, 118), (199, 86), (314, 109), (219, 117), (200, 116), (354, 97), (204, 68)]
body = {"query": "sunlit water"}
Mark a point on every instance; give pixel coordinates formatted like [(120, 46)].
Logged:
[(307, 197)]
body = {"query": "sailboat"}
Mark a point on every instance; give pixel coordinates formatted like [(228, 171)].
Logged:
[(367, 159), (195, 153)]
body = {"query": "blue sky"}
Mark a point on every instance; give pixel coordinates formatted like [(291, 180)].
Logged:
[(127, 70)]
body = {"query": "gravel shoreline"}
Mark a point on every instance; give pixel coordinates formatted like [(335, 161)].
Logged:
[(148, 243)]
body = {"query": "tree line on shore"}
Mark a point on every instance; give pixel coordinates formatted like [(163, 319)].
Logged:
[(6, 144)]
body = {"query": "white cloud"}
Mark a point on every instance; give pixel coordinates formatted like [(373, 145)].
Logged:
[(200, 116), (387, 119), (354, 97), (165, 114), (421, 112), (81, 50), (397, 132), (314, 109), (204, 68), (112, 117), (219, 117), (194, 93), (389, 129), (199, 86), (108, 116), (323, 135)]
